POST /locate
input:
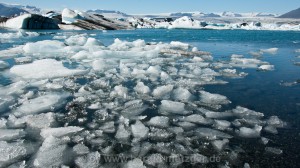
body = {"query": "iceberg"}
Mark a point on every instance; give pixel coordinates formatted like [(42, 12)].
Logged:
[(31, 21)]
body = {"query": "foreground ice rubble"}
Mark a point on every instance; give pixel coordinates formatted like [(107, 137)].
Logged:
[(81, 101)]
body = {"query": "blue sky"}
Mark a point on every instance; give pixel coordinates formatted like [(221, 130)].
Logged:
[(161, 6)]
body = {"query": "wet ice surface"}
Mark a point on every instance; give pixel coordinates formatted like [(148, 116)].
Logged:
[(74, 102)]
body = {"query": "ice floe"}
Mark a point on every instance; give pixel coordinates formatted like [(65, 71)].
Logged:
[(46, 68)]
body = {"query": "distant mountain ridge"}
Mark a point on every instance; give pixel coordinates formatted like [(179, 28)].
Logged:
[(10, 11), (198, 14), (295, 14)]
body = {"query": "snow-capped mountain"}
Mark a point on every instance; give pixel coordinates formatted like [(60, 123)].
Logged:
[(27, 8), (7, 11), (198, 14), (292, 14)]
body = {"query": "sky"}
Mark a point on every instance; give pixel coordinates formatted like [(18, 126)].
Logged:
[(165, 6)]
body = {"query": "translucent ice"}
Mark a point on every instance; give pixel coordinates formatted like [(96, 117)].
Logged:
[(41, 104), (139, 130), (270, 50), (46, 46), (220, 144), (249, 132), (91, 160), (135, 163), (266, 67), (172, 107), (141, 88), (46, 68), (181, 94), (211, 134), (60, 131), (3, 65), (159, 121), (210, 98), (163, 91)]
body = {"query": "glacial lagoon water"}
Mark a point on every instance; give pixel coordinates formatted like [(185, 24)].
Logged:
[(273, 93)]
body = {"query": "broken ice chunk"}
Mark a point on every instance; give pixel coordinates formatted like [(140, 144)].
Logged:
[(197, 119), (80, 149), (3, 65), (141, 88), (271, 129), (133, 108), (243, 112), (60, 131), (41, 104), (163, 92), (222, 124), (46, 46), (157, 134), (270, 50), (6, 102), (139, 130), (211, 134), (11, 134), (155, 160), (275, 121), (91, 160), (108, 127), (264, 140), (79, 39), (45, 68), (249, 132), (35, 123), (3, 122), (23, 60), (209, 98), (122, 133), (119, 91), (135, 163), (179, 45), (266, 67), (53, 153), (181, 94), (167, 107), (92, 42), (14, 152), (246, 62), (273, 150), (220, 144), (159, 121)]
